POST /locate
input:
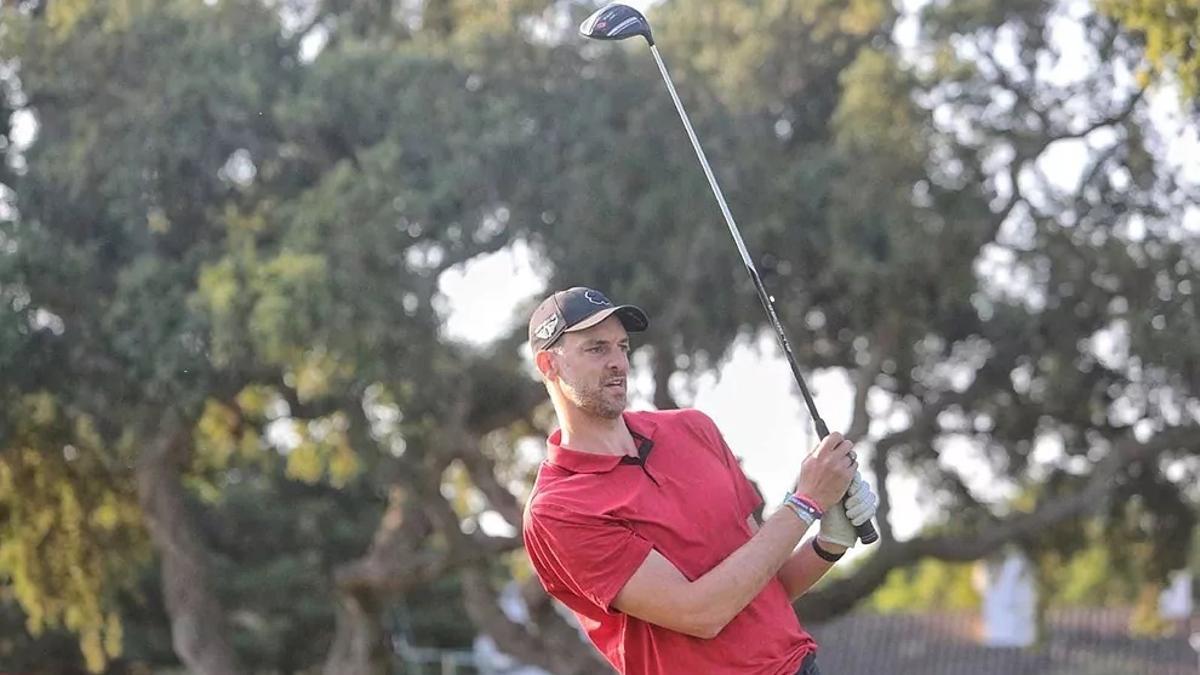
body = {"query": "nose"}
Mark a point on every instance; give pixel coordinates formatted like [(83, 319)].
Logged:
[(619, 362)]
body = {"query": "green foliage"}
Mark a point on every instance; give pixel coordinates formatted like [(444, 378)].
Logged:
[(432, 616), (1098, 565), (276, 543), (1171, 32), (1089, 577), (1109, 570), (930, 586)]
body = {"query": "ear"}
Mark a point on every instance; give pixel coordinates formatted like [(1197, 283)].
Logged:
[(544, 360)]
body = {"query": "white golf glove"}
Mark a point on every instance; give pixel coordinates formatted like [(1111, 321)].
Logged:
[(837, 525)]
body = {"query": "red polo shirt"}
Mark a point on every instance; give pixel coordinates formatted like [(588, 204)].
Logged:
[(592, 520)]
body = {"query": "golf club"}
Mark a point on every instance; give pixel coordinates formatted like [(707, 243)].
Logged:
[(618, 22)]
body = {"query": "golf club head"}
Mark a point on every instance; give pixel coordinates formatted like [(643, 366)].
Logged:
[(616, 22)]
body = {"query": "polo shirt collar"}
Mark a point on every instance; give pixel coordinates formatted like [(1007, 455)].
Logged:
[(578, 461)]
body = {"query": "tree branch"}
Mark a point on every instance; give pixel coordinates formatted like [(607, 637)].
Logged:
[(555, 646), (840, 596), (482, 470), (879, 465), (864, 379)]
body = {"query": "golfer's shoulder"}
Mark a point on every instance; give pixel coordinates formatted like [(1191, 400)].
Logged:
[(679, 419), (560, 494), (556, 482), (551, 509)]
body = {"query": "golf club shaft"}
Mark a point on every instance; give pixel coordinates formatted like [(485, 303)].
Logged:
[(866, 531), (822, 429)]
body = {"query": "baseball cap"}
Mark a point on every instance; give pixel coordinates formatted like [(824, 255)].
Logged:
[(576, 309)]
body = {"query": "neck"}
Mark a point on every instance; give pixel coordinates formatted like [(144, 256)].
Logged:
[(587, 433)]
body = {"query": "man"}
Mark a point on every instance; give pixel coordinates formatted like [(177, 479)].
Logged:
[(642, 522)]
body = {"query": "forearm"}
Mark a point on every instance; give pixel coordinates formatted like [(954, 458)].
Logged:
[(727, 588), (805, 568)]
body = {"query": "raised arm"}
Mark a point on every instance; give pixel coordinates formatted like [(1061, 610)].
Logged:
[(660, 594)]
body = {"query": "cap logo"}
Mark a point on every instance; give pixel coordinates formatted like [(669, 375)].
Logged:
[(596, 298), (547, 328)]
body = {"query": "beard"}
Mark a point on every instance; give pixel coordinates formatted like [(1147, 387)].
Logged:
[(594, 399)]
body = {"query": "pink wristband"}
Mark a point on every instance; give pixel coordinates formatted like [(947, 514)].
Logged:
[(801, 503), (812, 503)]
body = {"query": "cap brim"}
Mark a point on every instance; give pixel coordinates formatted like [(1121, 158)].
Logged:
[(632, 318)]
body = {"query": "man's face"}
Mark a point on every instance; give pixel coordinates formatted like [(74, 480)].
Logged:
[(592, 366)]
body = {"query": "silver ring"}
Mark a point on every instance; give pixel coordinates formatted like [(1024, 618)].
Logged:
[(853, 458)]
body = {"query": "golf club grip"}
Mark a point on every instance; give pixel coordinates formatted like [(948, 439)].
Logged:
[(866, 531)]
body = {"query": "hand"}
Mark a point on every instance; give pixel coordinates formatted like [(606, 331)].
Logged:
[(826, 471), (837, 525)]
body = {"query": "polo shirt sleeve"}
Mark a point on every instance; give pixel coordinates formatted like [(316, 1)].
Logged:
[(588, 556), (749, 499)]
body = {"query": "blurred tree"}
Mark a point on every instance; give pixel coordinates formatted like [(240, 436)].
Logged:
[(220, 312), (112, 205), (1034, 301), (1170, 30), (1076, 566), (931, 585)]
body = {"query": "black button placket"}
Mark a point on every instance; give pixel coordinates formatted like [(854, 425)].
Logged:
[(644, 447)]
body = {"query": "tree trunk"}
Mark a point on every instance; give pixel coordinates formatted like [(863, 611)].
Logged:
[(363, 588), (549, 643), (359, 645), (664, 368), (199, 633)]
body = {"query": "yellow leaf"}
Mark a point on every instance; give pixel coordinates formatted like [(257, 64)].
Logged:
[(93, 650), (114, 635), (250, 445), (343, 465), (304, 463), (157, 221), (253, 400)]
